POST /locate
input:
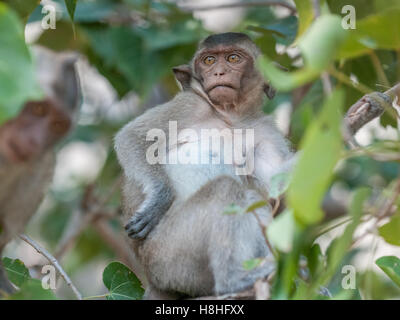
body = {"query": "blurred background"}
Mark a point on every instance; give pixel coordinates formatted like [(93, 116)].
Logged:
[(127, 49)]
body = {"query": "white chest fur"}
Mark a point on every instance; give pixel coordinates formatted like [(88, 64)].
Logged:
[(197, 159)]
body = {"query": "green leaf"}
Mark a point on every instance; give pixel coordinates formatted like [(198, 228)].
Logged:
[(256, 205), (33, 290), (123, 50), (138, 57), (62, 38), (281, 231), (306, 15), (71, 5), (122, 282), (23, 7), (391, 266), (315, 259), (320, 43), (379, 31), (252, 263), (95, 11), (182, 32), (387, 119), (283, 30), (319, 46), (280, 99), (338, 248), (321, 147), (17, 76), (363, 8), (391, 231), (278, 184), (17, 273)]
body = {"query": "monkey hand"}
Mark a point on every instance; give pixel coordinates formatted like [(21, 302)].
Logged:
[(147, 217)]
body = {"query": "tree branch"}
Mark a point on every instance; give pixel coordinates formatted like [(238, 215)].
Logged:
[(362, 112), (83, 217), (53, 261)]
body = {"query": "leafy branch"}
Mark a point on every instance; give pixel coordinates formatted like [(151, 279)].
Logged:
[(53, 261)]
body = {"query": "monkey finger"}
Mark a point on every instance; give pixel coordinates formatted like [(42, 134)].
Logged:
[(143, 233), (136, 226), (137, 222)]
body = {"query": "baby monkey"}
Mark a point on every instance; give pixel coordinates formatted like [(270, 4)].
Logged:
[(176, 210)]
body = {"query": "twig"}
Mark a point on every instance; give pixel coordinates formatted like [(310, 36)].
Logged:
[(53, 261), (83, 218), (362, 112), (262, 290), (334, 226), (97, 297), (386, 211), (276, 206), (346, 80), (317, 8), (264, 233), (326, 83), (242, 4), (378, 69)]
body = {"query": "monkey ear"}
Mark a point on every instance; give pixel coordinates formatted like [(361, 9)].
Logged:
[(67, 85), (269, 91), (183, 75)]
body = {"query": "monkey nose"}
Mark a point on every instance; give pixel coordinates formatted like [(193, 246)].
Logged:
[(219, 73)]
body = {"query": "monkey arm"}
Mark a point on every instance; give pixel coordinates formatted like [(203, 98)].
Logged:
[(271, 161), (24, 186), (151, 179)]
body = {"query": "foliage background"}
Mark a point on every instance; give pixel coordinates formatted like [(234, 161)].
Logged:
[(128, 48)]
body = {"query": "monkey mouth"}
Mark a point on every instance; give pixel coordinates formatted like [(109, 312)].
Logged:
[(222, 86)]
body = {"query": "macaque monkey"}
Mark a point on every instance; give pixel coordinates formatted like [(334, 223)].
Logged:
[(26, 157), (175, 211)]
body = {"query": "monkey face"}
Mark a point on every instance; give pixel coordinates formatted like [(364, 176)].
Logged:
[(223, 71), (39, 125)]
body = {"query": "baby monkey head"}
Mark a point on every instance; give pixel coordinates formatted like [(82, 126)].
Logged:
[(224, 65)]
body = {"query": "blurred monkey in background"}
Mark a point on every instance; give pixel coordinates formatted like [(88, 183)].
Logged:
[(27, 158)]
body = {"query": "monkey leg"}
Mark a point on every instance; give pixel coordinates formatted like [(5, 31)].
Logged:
[(242, 240), (198, 250)]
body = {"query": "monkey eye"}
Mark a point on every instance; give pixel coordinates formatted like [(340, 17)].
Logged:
[(39, 110), (233, 58), (209, 60)]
